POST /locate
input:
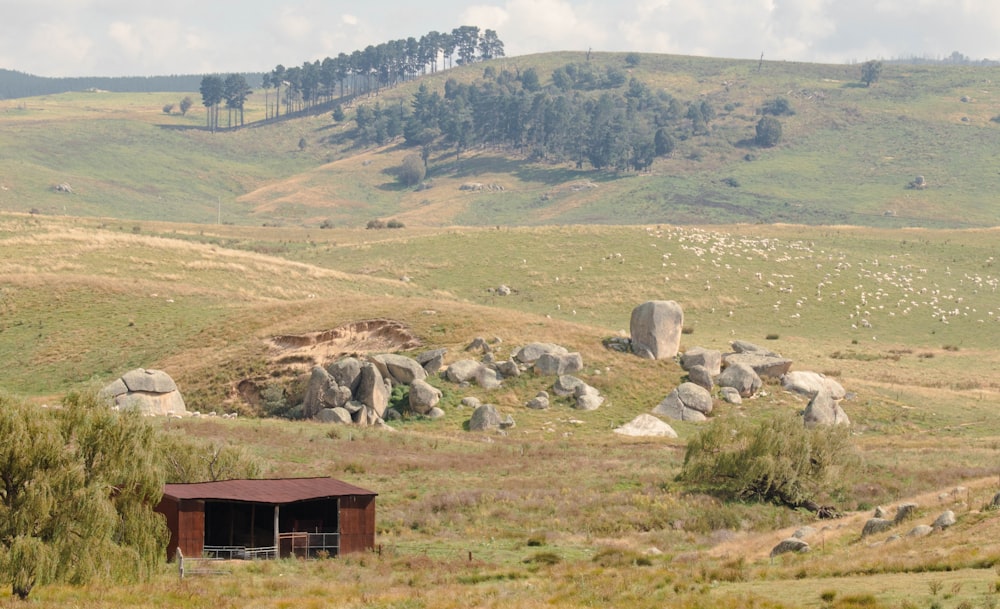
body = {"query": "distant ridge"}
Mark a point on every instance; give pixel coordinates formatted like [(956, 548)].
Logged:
[(15, 84)]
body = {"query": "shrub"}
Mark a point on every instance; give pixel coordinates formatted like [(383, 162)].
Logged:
[(412, 170), (375, 224), (777, 460), (544, 558), (768, 132), (394, 224), (778, 106)]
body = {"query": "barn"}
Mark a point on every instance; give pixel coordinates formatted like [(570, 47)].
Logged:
[(268, 518)]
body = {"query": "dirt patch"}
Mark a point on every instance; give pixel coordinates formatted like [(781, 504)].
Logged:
[(303, 351)]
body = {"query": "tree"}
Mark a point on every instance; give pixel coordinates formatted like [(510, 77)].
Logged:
[(412, 171), (871, 71), (168, 108), (186, 104), (768, 132), (212, 90), (632, 59), (235, 90), (77, 491), (663, 143), (777, 460)]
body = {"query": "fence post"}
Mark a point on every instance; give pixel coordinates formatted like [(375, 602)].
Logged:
[(180, 563)]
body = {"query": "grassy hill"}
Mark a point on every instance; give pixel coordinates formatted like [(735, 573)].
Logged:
[(846, 156)]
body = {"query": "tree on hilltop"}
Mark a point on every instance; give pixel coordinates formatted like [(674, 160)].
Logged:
[(212, 91), (871, 71)]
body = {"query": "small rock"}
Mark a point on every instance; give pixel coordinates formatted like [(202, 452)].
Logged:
[(791, 544)]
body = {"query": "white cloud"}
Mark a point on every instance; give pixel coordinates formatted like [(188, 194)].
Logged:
[(348, 19)]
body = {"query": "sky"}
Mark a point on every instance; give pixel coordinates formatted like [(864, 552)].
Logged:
[(146, 38)]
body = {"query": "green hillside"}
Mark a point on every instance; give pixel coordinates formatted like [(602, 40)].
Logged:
[(846, 156)]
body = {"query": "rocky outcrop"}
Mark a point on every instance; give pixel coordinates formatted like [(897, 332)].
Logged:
[(530, 353), (655, 328), (710, 359), (151, 392), (809, 384)]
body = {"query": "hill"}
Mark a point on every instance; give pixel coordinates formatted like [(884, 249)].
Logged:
[(848, 155)]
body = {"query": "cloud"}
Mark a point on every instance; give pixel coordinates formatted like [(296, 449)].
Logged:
[(348, 19), (57, 46), (530, 26)]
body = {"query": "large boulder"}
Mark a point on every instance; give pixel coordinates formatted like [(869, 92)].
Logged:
[(507, 368), (808, 384), (530, 353), (688, 402), (423, 397), (539, 402), (401, 370), (711, 359), (742, 378), (824, 410), (488, 418), (346, 372), (646, 426), (566, 385), (558, 364), (945, 520), (655, 328), (151, 392), (904, 512), (373, 392), (462, 371), (322, 391)]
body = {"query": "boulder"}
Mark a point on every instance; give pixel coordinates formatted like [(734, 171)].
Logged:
[(921, 530), (994, 503), (566, 385), (792, 544), (646, 426), (587, 398), (334, 415), (876, 525), (558, 364), (488, 378), (809, 384), (945, 520), (824, 410), (688, 402), (346, 372), (423, 397), (508, 368), (488, 418), (432, 361), (742, 378), (322, 391), (742, 346), (402, 370), (730, 395), (435, 413), (471, 402), (804, 532), (462, 371), (479, 344), (905, 511), (764, 365), (655, 328), (699, 375), (879, 512), (711, 359), (151, 392), (539, 402), (148, 381), (372, 391), (530, 353)]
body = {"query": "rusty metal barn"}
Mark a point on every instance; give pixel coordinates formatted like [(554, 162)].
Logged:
[(304, 517)]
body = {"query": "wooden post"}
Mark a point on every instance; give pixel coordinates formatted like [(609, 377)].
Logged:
[(277, 544), (180, 562)]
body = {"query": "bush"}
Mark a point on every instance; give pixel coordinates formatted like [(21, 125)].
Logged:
[(777, 460), (394, 224), (412, 171), (778, 106), (375, 224), (768, 132)]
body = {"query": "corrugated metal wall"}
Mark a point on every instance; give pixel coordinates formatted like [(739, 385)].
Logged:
[(357, 524)]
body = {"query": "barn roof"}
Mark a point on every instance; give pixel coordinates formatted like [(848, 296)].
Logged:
[(275, 491)]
